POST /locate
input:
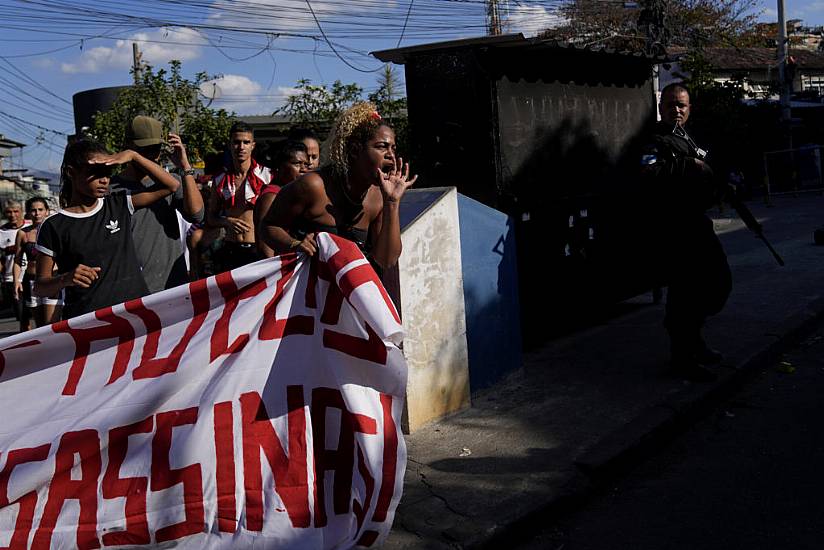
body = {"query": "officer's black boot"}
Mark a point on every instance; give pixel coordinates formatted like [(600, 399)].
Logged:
[(683, 362), (705, 355)]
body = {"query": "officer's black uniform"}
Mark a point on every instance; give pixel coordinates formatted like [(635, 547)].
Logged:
[(693, 261)]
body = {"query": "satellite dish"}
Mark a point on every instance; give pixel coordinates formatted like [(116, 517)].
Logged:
[(210, 91)]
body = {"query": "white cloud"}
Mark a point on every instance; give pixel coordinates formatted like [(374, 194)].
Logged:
[(531, 19), (156, 47), (285, 15), (286, 91), (235, 84), (244, 96), (43, 63)]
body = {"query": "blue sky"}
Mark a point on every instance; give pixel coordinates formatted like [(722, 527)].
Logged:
[(51, 49)]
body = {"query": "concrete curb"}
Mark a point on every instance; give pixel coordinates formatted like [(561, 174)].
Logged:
[(650, 430)]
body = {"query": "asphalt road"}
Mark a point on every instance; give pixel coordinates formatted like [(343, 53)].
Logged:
[(749, 476), (8, 324)]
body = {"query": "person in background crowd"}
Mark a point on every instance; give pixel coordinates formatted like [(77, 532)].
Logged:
[(232, 201), (43, 310), (356, 195), (683, 187), (312, 143), (13, 211), (290, 162), (156, 229), (201, 237), (89, 240)]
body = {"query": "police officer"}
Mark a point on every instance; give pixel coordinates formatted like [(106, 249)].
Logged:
[(682, 187)]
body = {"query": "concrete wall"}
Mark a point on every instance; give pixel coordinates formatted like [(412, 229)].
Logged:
[(432, 304)]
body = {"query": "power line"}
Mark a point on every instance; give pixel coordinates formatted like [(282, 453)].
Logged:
[(437, 17), (308, 3), (33, 82), (33, 124), (37, 54), (405, 21)]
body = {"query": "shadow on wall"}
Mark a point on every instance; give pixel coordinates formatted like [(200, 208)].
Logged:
[(490, 287), (581, 226)]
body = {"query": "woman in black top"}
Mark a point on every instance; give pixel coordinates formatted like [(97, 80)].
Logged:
[(355, 195), (35, 308), (90, 240)]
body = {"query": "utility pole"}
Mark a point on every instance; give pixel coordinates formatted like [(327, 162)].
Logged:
[(493, 18), (136, 57), (784, 86)]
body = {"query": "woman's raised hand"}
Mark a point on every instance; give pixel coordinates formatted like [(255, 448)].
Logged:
[(396, 182)]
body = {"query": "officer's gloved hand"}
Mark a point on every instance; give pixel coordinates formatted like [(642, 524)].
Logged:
[(702, 183), (701, 169)]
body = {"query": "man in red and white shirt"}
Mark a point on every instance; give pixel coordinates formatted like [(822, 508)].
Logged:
[(13, 212), (232, 201)]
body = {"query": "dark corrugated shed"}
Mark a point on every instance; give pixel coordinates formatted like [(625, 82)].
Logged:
[(550, 134)]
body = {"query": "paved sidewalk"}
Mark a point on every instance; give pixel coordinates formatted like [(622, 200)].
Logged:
[(594, 401), (8, 324)]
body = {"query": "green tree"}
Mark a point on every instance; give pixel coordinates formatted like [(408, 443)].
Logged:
[(720, 118), (687, 23), (391, 105), (314, 106), (388, 97), (173, 100)]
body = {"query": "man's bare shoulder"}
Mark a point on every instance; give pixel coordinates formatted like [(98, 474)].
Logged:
[(309, 186)]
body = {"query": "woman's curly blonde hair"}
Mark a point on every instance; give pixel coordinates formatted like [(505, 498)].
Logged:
[(352, 129)]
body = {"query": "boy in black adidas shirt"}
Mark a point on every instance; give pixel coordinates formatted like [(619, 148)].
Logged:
[(90, 240)]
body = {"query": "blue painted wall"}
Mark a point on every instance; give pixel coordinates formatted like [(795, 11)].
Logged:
[(490, 279)]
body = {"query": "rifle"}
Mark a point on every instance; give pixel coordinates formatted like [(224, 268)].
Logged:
[(752, 224), (732, 198)]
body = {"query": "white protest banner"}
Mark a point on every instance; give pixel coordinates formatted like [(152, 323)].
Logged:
[(258, 408), (7, 238)]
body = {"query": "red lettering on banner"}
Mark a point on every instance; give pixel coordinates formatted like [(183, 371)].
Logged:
[(133, 488), (312, 283), (231, 296), (115, 327), (272, 328), (18, 346), (225, 467), (152, 366), (370, 349), (358, 276), (360, 510), (86, 443), (164, 477), (334, 297), (289, 472), (390, 460), (340, 460), (348, 252), (27, 502)]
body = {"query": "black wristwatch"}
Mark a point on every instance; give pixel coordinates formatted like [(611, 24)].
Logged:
[(189, 172)]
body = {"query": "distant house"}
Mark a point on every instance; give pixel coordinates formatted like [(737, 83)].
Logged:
[(805, 37), (757, 67), (268, 127), (7, 146), (16, 183)]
